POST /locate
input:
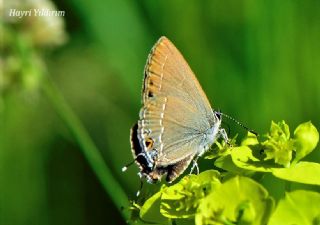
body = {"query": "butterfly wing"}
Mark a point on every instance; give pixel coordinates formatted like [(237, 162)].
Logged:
[(176, 113)]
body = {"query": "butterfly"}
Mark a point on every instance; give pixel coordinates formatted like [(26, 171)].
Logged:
[(176, 122)]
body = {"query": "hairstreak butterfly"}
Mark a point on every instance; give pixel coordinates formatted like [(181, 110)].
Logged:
[(176, 122)]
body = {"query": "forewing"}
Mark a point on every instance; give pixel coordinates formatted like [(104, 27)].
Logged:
[(176, 112)]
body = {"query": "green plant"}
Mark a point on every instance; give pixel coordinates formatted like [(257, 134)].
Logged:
[(234, 194)]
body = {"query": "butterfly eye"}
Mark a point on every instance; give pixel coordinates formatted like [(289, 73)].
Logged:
[(218, 115), (149, 143)]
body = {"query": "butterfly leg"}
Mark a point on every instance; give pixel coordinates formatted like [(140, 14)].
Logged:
[(223, 134), (194, 166)]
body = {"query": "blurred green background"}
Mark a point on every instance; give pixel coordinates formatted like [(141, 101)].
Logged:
[(256, 60)]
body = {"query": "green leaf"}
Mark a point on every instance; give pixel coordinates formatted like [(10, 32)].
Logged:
[(298, 207), (226, 163), (229, 161), (150, 211), (250, 140), (279, 146), (243, 158), (181, 200), (239, 200), (182, 221), (302, 172), (306, 138)]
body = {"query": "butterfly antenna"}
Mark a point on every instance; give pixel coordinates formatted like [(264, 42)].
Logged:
[(240, 124)]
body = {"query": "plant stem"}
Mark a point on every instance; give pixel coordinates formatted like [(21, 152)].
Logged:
[(90, 151)]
